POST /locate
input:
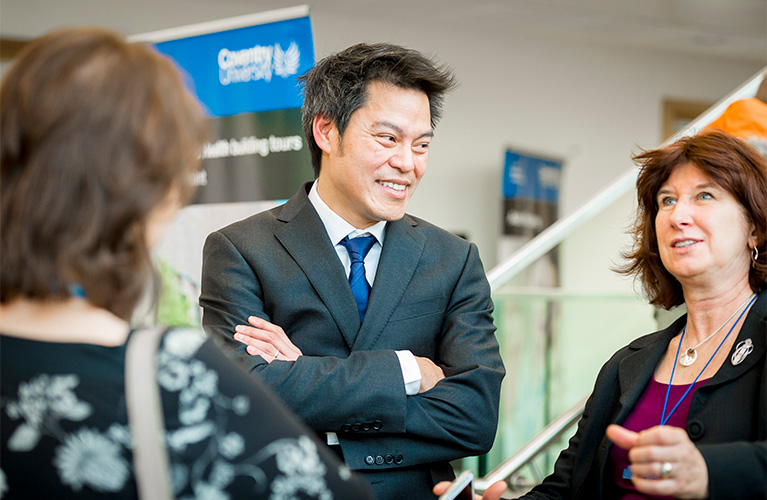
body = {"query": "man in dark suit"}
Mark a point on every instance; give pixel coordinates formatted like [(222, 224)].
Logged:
[(402, 377)]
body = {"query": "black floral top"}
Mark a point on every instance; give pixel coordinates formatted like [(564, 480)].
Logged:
[(64, 430)]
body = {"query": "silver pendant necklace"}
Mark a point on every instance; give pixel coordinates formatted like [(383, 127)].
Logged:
[(690, 354)]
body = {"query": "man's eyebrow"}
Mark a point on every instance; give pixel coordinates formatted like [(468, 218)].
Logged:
[(398, 129)]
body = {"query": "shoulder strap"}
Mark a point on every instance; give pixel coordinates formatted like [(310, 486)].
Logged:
[(150, 456)]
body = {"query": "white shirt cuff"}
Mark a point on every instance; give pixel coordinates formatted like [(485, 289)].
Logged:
[(332, 438), (411, 374)]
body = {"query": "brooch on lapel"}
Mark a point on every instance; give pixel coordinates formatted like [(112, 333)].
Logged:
[(743, 350)]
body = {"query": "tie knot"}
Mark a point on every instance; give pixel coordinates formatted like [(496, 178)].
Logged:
[(358, 247)]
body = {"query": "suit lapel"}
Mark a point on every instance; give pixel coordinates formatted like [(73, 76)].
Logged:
[(401, 253), (634, 372), (305, 239)]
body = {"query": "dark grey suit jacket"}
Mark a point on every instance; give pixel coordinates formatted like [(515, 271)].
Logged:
[(727, 419), (430, 296)]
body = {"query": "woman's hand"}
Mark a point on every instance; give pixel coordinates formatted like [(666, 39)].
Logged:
[(494, 492), (658, 448)]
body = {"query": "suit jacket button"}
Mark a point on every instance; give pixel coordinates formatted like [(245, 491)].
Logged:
[(379, 460), (346, 428), (377, 424), (389, 459), (366, 427), (356, 427), (370, 460), (695, 429), (399, 459)]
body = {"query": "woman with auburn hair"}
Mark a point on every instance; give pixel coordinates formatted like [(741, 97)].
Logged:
[(100, 139), (682, 412)]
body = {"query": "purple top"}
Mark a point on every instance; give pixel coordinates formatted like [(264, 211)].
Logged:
[(646, 414)]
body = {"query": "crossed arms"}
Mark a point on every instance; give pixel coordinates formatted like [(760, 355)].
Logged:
[(332, 386)]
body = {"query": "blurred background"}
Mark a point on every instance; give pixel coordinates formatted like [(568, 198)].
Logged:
[(586, 83)]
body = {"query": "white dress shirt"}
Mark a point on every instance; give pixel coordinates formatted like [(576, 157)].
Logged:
[(338, 229)]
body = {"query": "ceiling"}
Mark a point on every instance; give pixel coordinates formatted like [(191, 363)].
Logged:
[(734, 29)]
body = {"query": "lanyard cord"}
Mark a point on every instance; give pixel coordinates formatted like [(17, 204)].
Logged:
[(663, 417)]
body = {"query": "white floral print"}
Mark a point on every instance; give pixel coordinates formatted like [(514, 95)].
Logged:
[(302, 469), (207, 457), (240, 405), (42, 402), (90, 458), (231, 445), (3, 484)]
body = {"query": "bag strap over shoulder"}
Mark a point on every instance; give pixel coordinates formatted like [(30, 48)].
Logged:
[(150, 455)]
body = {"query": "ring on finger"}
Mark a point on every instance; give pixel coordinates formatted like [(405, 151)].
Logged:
[(276, 353), (665, 470)]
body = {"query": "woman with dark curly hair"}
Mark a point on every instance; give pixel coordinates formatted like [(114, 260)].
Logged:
[(682, 413)]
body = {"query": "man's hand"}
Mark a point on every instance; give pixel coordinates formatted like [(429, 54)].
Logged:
[(494, 492), (266, 340), (430, 373), (686, 471)]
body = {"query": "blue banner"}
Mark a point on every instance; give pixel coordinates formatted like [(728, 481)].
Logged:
[(530, 192), (532, 177), (246, 70)]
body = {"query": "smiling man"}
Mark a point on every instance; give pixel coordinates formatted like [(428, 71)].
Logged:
[(374, 326)]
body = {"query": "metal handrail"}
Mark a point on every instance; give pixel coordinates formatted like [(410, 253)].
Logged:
[(554, 234), (539, 443)]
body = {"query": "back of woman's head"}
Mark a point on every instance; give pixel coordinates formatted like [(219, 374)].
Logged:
[(97, 133), (728, 161)]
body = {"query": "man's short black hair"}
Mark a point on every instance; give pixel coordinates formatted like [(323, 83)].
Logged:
[(338, 84)]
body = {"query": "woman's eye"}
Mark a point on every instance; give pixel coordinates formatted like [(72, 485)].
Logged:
[(705, 196), (667, 201)]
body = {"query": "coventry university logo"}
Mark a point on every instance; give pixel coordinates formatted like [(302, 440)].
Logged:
[(260, 62), (286, 61)]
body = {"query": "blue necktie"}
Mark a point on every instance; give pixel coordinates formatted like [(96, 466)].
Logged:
[(358, 248)]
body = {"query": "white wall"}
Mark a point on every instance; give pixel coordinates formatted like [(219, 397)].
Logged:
[(593, 105), (588, 103)]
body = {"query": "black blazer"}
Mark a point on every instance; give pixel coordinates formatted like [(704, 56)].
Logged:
[(727, 419), (430, 296)]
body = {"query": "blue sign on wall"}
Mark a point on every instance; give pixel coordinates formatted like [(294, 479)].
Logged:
[(532, 177), (530, 192), (247, 70)]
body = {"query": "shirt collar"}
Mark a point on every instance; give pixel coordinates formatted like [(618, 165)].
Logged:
[(335, 225)]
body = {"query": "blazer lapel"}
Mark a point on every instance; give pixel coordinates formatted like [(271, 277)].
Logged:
[(402, 250), (305, 239), (634, 372)]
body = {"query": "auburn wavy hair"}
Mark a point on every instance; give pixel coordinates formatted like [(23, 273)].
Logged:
[(728, 161)]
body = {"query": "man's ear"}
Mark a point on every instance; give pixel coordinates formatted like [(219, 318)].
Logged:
[(325, 133)]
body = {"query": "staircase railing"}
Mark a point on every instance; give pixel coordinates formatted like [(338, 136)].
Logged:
[(549, 435)]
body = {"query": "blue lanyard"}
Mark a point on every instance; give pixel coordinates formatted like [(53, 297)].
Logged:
[(663, 417)]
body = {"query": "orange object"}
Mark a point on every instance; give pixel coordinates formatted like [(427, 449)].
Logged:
[(746, 119)]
